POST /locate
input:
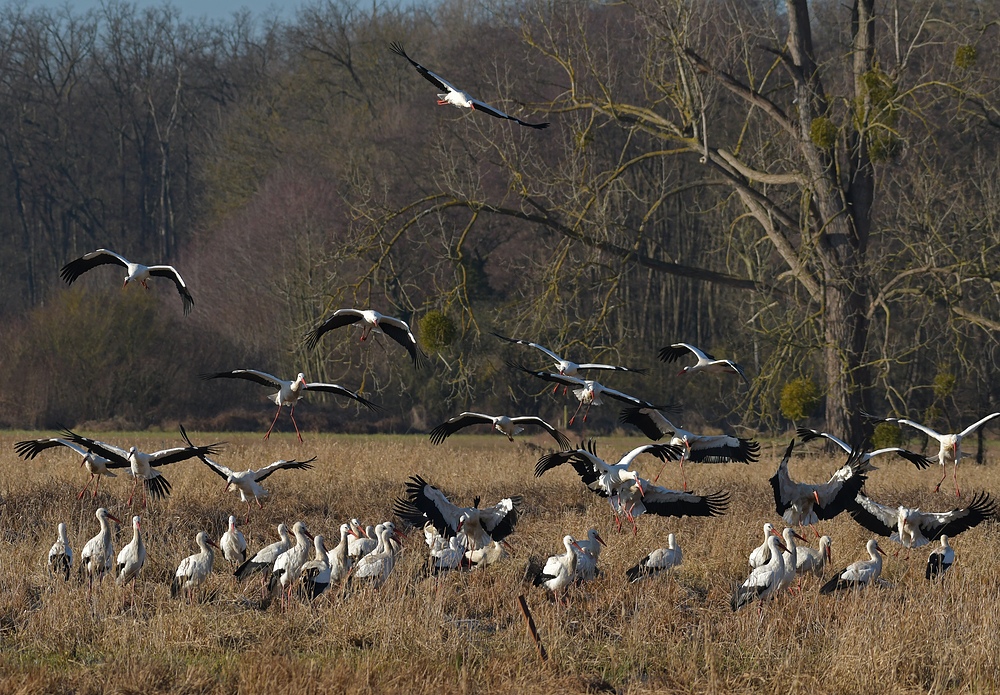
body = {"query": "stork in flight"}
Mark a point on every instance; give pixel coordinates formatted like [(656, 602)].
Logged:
[(918, 460), (475, 527), (96, 465), (913, 528), (805, 504), (950, 450), (456, 97), (566, 367), (699, 448), (375, 323), (141, 464), (706, 363), (587, 391), (508, 426), (135, 272), (289, 392)]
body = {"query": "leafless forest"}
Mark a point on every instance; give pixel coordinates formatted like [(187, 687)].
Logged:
[(809, 188)]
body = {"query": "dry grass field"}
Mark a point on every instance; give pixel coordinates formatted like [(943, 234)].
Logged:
[(463, 633)]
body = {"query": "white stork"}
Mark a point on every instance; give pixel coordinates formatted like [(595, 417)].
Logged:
[(475, 527), (363, 540), (860, 573), (194, 569), (815, 561), (764, 581), (706, 363), (660, 560), (790, 557), (456, 97), (508, 426), (913, 528), (761, 555), (629, 494), (699, 448), (375, 323), (264, 558), (566, 367), (940, 559), (141, 464), (288, 566), (558, 572), (96, 465), (248, 482), (135, 272), (61, 554), (805, 504), (132, 557), (587, 391), (587, 556), (340, 561), (491, 554), (289, 392), (99, 552), (376, 566), (316, 573), (233, 543), (918, 460), (950, 450)]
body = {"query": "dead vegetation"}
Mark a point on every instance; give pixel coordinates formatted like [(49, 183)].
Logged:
[(464, 633)]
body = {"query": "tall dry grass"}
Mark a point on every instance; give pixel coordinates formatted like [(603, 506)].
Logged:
[(463, 633)]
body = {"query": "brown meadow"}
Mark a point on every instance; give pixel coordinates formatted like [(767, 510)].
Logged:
[(463, 632)]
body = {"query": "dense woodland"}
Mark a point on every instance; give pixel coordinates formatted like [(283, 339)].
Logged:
[(809, 188)]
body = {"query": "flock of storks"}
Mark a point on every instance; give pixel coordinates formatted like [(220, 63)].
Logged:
[(476, 536)]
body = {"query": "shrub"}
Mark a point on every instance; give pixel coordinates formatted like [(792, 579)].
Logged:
[(437, 331), (886, 435), (799, 398)]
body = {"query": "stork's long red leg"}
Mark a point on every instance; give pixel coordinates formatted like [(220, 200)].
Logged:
[(130, 497), (291, 414), (958, 493), (80, 496), (97, 484), (587, 411), (268, 434), (937, 488), (575, 413)]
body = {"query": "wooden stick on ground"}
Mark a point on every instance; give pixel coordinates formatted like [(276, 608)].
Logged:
[(532, 631)]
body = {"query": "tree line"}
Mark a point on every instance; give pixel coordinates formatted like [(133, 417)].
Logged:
[(807, 187)]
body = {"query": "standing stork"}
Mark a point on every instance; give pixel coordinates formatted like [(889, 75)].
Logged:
[(507, 426), (706, 363), (375, 323), (699, 448), (815, 561), (950, 449), (764, 581), (340, 561), (248, 482), (288, 566), (456, 97), (376, 566), (558, 572), (588, 554), (918, 460), (566, 367), (660, 560), (913, 528), (132, 557), (61, 554), (316, 573), (805, 504), (194, 569), (264, 558), (289, 392), (233, 543), (475, 527), (141, 464), (135, 272), (860, 573), (940, 559), (587, 391), (99, 552), (761, 555)]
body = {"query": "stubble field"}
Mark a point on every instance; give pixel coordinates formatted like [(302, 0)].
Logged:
[(463, 632)]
